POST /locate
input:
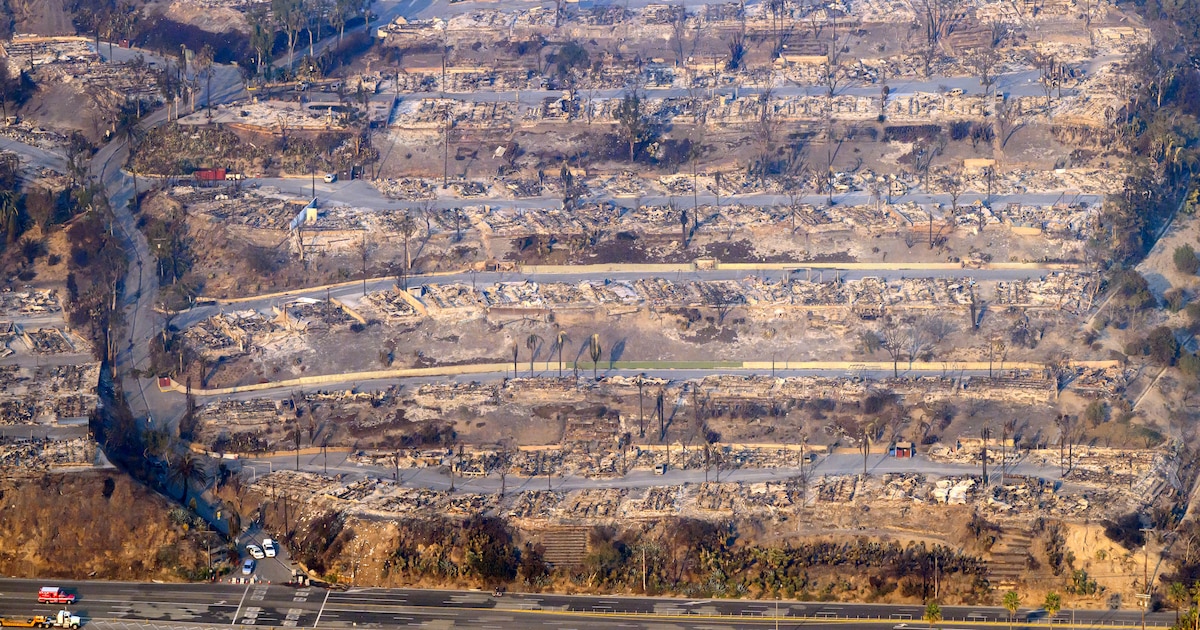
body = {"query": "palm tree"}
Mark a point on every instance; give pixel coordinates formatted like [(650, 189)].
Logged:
[(560, 341), (594, 352), (127, 127), (1012, 602), (1053, 604), (1178, 595), (203, 63), (9, 214), (532, 343), (1009, 429), (933, 613), (641, 384), (188, 468), (407, 228)]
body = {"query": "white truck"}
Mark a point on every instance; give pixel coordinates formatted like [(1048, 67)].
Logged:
[(64, 619)]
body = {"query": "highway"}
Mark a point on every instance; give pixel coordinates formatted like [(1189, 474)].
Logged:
[(313, 607)]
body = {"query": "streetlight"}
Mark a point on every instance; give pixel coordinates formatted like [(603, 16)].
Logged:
[(777, 587)]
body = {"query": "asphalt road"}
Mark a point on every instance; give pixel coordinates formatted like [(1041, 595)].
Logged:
[(372, 607), (275, 605), (140, 284), (350, 291), (34, 158), (361, 194), (1022, 83)]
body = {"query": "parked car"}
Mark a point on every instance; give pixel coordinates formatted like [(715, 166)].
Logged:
[(330, 178), (269, 547), (255, 552), (248, 566)]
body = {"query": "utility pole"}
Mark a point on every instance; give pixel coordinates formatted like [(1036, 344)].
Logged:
[(987, 433), (446, 149), (801, 458), (936, 581), (643, 569), (1145, 598)]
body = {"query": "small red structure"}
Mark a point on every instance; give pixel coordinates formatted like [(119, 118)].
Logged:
[(164, 384), (209, 175), (902, 450)]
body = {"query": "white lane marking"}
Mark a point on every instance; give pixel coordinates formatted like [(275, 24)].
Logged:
[(239, 608), (220, 604), (322, 609)]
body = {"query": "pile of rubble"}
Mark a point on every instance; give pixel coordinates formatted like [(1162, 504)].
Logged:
[(406, 501), (48, 394), (903, 487), (837, 489), (235, 416), (661, 499), (275, 116), (394, 306), (309, 315), (29, 303), (720, 497), (33, 135), (252, 209), (230, 334), (296, 485), (593, 504), (535, 504), (46, 455), (1060, 291), (409, 188), (72, 59), (48, 341), (953, 490), (1069, 292), (24, 52)]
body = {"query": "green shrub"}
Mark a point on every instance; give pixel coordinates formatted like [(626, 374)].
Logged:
[(1185, 259), (1176, 300)]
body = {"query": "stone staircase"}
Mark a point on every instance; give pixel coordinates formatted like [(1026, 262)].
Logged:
[(564, 546), (1006, 562)]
